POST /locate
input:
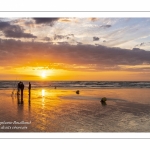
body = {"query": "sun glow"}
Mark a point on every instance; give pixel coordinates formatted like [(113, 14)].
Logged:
[(43, 75)]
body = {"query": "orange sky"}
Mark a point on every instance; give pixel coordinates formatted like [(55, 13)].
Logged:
[(76, 75), (105, 49)]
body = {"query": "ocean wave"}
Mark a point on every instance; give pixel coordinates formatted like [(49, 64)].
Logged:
[(78, 84)]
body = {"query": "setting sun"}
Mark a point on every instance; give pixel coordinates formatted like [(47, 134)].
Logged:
[(43, 75)]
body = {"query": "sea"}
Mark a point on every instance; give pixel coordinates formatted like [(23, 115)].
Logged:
[(79, 84)]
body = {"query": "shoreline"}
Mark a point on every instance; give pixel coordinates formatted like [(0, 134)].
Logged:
[(62, 110)]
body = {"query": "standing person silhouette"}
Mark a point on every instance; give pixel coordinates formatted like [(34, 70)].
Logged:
[(18, 88), (29, 89), (29, 86), (22, 88)]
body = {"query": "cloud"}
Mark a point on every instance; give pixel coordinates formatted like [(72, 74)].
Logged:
[(14, 31), (95, 38), (4, 25), (142, 44), (46, 39), (79, 43), (136, 45), (49, 21), (93, 19), (105, 26), (65, 20), (29, 23), (59, 37), (71, 35), (98, 58), (17, 33)]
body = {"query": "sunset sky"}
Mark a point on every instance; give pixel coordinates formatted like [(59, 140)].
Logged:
[(107, 49)]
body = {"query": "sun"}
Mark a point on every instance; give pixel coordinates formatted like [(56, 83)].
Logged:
[(43, 75)]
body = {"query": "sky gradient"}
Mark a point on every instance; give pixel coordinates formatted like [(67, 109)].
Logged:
[(107, 49)]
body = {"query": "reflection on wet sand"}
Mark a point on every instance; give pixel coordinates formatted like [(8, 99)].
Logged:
[(20, 105), (62, 110), (29, 101), (19, 99), (12, 96)]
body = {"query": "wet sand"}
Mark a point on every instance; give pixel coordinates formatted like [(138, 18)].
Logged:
[(62, 110)]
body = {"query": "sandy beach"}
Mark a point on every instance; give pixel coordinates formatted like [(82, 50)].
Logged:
[(62, 110)]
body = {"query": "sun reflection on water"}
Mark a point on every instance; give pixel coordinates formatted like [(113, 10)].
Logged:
[(43, 92), (43, 98)]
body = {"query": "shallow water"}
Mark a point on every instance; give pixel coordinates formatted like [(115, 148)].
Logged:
[(62, 110)]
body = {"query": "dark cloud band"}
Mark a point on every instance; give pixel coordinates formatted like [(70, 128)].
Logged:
[(103, 57), (14, 31), (49, 21)]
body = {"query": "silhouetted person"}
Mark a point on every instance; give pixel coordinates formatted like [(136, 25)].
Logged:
[(22, 88), (29, 86), (29, 90), (18, 88)]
